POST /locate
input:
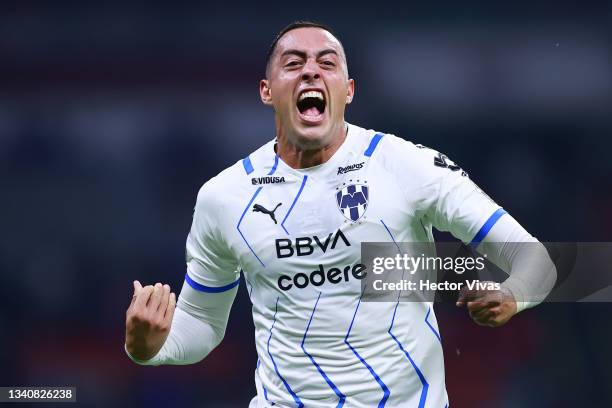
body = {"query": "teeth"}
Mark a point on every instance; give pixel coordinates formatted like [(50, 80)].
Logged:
[(311, 94)]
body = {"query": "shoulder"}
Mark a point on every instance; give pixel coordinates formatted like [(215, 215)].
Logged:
[(416, 168), (405, 151), (235, 180), (401, 156), (389, 146)]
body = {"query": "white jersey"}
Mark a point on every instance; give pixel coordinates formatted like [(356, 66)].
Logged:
[(296, 233)]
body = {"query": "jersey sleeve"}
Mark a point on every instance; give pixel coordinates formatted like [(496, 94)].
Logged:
[(445, 195), (211, 266), (458, 205)]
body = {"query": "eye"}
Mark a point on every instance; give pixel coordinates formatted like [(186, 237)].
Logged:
[(328, 63), (292, 63)]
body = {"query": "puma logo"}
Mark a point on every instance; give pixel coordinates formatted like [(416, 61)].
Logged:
[(261, 209)]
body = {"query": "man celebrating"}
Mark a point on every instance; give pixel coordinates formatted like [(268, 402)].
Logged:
[(291, 216)]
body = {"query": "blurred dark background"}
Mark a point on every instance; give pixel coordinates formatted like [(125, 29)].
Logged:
[(113, 115)]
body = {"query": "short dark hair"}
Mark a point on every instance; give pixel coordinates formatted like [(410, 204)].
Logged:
[(293, 26)]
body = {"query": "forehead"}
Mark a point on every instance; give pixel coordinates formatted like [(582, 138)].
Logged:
[(308, 39)]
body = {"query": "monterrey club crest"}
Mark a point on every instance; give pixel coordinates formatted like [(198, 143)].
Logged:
[(353, 201)]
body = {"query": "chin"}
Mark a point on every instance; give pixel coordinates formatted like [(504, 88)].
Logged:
[(313, 137)]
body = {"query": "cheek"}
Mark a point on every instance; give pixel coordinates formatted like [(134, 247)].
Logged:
[(282, 92), (338, 88), (340, 98), (287, 79)]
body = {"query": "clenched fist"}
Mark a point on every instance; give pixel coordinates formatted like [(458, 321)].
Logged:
[(148, 320), (491, 308)]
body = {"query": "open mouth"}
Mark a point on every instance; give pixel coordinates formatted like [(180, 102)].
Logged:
[(311, 105)]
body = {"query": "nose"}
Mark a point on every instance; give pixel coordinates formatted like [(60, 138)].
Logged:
[(310, 70)]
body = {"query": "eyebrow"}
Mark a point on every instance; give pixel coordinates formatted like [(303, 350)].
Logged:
[(302, 54)]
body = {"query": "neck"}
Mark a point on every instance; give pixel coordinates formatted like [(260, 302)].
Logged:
[(299, 157)]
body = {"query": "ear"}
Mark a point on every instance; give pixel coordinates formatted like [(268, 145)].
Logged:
[(265, 92), (350, 91)]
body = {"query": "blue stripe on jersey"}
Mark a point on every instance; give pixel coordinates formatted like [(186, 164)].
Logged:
[(274, 166), (262, 386), (240, 221), (416, 368), (382, 385), (248, 166), (484, 230), (390, 234), (430, 325), (293, 204), (373, 144), (249, 169), (266, 396), (293, 394), (210, 289), (329, 382)]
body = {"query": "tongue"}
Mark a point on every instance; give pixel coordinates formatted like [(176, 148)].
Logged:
[(313, 111)]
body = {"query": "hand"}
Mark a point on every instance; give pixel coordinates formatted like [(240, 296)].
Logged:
[(491, 308), (148, 320)]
